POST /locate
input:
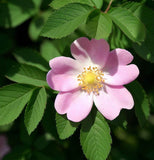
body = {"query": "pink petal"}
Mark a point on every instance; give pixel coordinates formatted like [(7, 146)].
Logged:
[(64, 64), (120, 56), (121, 75), (96, 50), (63, 76), (76, 104), (112, 99), (62, 81), (79, 48)]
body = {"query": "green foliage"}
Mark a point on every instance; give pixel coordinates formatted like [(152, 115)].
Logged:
[(13, 99), (128, 23), (65, 128), (98, 3), (65, 20), (35, 109), (118, 39), (99, 26), (142, 109), (27, 74), (37, 23), (49, 50), (145, 14), (56, 4), (32, 58), (95, 137), (15, 12)]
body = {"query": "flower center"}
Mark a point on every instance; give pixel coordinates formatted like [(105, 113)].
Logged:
[(91, 80)]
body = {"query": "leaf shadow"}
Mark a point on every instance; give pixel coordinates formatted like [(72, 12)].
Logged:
[(89, 121)]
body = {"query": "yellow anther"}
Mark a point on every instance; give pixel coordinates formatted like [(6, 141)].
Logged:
[(91, 80)]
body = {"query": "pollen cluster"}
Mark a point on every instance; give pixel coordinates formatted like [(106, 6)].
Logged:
[(91, 80)]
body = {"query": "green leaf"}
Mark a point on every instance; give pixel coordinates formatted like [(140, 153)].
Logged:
[(56, 4), (65, 20), (98, 3), (65, 128), (27, 74), (49, 50), (142, 109), (118, 40), (145, 14), (15, 12), (37, 24), (128, 23), (13, 99), (31, 57), (95, 137), (35, 109), (99, 26), (146, 49)]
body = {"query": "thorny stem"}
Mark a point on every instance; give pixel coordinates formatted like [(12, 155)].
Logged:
[(108, 7)]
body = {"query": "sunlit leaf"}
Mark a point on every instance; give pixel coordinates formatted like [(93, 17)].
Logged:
[(49, 50), (99, 26), (56, 4), (65, 20), (98, 3), (145, 14), (95, 137), (128, 23), (27, 74), (35, 109), (65, 128), (13, 99)]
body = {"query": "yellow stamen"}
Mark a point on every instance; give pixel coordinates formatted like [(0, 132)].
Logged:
[(91, 80)]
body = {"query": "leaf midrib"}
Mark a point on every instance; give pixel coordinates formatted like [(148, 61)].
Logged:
[(17, 98)]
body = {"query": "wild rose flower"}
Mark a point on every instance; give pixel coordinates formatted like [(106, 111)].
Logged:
[(96, 74), (4, 147)]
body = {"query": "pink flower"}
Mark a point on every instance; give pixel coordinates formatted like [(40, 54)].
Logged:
[(4, 148), (96, 74)]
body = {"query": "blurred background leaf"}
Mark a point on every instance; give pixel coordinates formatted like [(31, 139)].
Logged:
[(15, 12)]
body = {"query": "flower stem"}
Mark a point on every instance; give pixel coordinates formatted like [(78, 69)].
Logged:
[(108, 7)]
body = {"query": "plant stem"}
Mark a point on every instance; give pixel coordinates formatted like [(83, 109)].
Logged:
[(108, 7)]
